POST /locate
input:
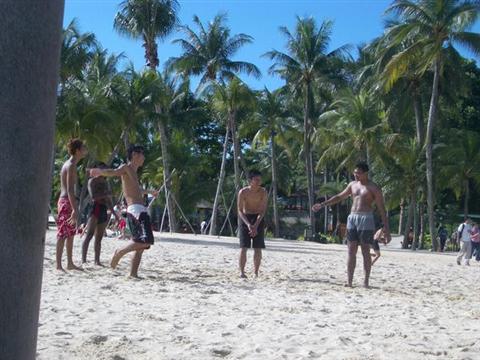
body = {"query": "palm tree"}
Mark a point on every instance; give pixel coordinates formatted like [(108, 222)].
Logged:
[(84, 109), (403, 177), (272, 115), (432, 26), (131, 97), (150, 20), (76, 51), (459, 158), (353, 129), (209, 52), (306, 63), (229, 99)]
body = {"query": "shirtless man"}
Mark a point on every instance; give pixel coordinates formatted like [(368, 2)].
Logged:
[(67, 203), (252, 204), (101, 195), (137, 217), (360, 223)]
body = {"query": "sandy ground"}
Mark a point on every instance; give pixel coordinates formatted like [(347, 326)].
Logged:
[(191, 304)]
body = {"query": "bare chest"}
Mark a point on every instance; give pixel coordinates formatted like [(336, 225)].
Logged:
[(362, 192)]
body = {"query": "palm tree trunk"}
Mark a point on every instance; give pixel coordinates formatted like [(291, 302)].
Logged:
[(126, 140), (421, 214), (467, 198), (308, 156), (325, 210), (151, 55), (30, 46), (417, 107), (408, 225), (172, 219), (415, 224), (276, 220), (221, 178), (236, 148), (432, 116), (116, 149), (400, 218)]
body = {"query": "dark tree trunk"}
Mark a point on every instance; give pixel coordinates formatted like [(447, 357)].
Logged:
[(415, 224), (432, 117), (276, 220), (30, 38), (467, 198), (408, 224), (421, 211), (325, 210), (308, 156), (172, 219), (236, 148), (400, 218)]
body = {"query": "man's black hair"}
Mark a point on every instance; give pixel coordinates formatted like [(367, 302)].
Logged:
[(134, 148), (253, 173), (361, 165)]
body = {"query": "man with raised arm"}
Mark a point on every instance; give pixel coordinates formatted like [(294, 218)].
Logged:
[(137, 217), (67, 219), (252, 204), (360, 223)]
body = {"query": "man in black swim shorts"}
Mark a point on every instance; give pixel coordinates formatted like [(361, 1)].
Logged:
[(100, 193), (252, 204)]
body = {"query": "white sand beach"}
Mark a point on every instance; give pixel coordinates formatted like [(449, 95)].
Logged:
[(191, 304)]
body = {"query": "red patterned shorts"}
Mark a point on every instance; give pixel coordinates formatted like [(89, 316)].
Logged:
[(64, 229)]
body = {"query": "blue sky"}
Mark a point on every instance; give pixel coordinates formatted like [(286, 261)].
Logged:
[(355, 22)]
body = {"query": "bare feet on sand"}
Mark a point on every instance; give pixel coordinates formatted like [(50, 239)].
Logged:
[(74, 267), (243, 276), (115, 260)]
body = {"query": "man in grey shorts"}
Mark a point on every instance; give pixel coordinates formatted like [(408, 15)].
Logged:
[(360, 223)]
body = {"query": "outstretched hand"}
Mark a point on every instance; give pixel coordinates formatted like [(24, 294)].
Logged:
[(95, 172)]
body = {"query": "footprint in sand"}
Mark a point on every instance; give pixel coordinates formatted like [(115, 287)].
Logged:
[(98, 339), (221, 352), (65, 334)]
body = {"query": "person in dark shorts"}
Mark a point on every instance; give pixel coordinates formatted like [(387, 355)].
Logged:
[(137, 216), (246, 240), (140, 225), (360, 226), (252, 204), (98, 218)]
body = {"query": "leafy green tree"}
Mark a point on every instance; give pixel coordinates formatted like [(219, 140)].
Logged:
[(208, 52), (150, 20), (305, 64), (432, 26)]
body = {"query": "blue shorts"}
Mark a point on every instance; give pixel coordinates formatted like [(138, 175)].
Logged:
[(361, 227)]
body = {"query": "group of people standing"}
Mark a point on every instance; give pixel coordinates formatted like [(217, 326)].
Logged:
[(138, 219), (252, 205), (468, 236)]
